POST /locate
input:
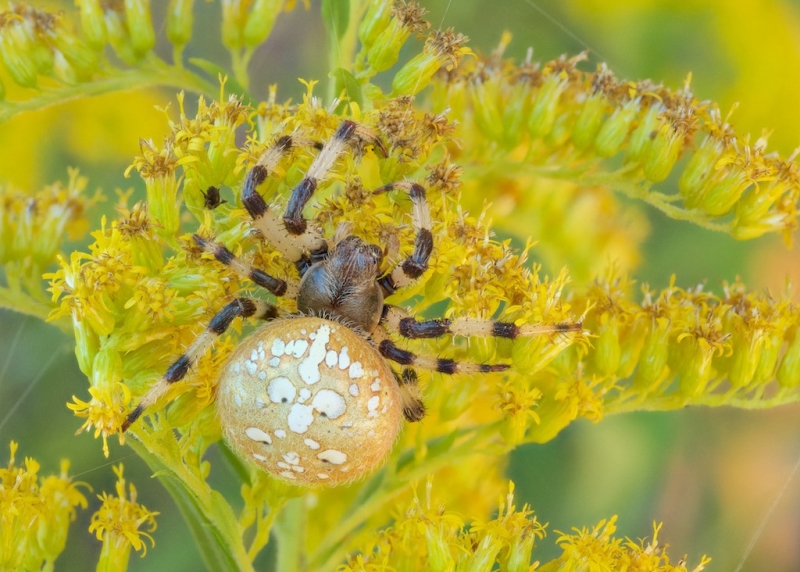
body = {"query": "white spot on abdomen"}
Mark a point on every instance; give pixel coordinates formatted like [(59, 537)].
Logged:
[(329, 403), (281, 390), (311, 444), (300, 417), (277, 347), (344, 359), (355, 370), (353, 389), (332, 456), (309, 367), (257, 434)]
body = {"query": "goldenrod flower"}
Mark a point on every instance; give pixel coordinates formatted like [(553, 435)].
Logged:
[(122, 523), (35, 514)]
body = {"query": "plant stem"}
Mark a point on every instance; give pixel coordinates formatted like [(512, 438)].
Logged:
[(290, 533)]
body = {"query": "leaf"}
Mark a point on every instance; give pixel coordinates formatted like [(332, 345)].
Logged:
[(347, 83), (336, 16)]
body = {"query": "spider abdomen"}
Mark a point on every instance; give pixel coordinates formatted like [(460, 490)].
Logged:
[(310, 401)]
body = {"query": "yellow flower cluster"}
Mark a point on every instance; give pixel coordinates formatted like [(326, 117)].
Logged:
[(32, 230), (555, 120), (119, 523), (597, 549), (428, 536), (35, 514)]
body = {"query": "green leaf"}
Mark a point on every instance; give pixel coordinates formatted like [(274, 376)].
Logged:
[(347, 83), (336, 16)]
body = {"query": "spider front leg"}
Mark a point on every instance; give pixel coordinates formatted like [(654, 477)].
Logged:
[(417, 263), (302, 249), (347, 133), (244, 307), (245, 270)]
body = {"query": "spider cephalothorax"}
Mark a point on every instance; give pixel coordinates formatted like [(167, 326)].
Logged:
[(311, 397)]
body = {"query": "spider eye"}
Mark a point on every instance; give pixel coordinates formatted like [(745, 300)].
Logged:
[(281, 390), (329, 403)]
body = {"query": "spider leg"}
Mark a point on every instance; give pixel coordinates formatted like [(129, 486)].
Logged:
[(413, 407), (347, 133), (245, 270), (407, 326), (417, 263), (301, 249), (244, 307), (390, 351)]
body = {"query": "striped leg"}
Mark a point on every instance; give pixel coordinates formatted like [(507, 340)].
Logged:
[(244, 307), (407, 326), (412, 267), (245, 270), (347, 133), (390, 351), (300, 249), (413, 407)]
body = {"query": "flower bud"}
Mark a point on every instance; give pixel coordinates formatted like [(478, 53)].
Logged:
[(607, 349), (119, 39), (642, 137), (631, 343), (81, 57), (652, 363), (615, 129), (746, 348), (19, 63), (386, 49), (485, 97), (376, 20), (768, 358), (699, 171), (515, 113), (140, 25), (260, 21), (753, 214), (589, 121), (519, 552), (87, 345), (723, 195), (694, 366), (545, 106), (415, 75), (93, 23), (789, 370), (663, 153), (106, 368), (180, 22)]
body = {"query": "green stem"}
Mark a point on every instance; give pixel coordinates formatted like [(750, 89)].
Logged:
[(290, 534), (342, 49), (149, 76)]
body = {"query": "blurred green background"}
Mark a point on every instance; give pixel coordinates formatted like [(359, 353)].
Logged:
[(712, 476)]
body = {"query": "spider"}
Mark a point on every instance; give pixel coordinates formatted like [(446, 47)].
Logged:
[(311, 397)]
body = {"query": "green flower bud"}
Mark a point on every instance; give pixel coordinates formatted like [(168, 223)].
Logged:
[(607, 349), (723, 195), (631, 343), (615, 129), (376, 20), (93, 24), (486, 110), (695, 366), (439, 556), (642, 137), (80, 56), (118, 37), (789, 370), (589, 121), (386, 49), (416, 74), (663, 153), (140, 25), (64, 70), (752, 214), (19, 63), (652, 364), (87, 344), (515, 113), (260, 21), (768, 359), (699, 171), (545, 106), (106, 368), (519, 552), (180, 22), (746, 347)]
